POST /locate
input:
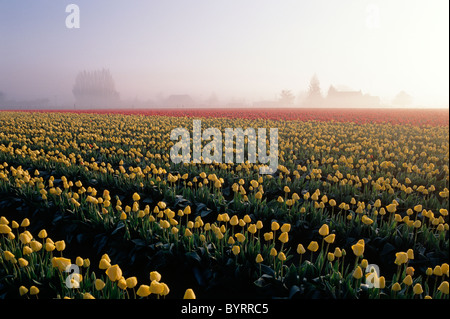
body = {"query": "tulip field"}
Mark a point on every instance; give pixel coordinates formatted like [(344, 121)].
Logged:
[(91, 206)]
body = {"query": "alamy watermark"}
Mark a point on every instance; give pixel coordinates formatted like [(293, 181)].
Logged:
[(73, 18), (213, 151)]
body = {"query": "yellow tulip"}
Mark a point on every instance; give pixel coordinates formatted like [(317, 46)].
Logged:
[(401, 258), (143, 291), (357, 273), (4, 229), (104, 264), (408, 280), (114, 273), (275, 226), (156, 287), (8, 255), (417, 289), (286, 228), (154, 275), (443, 287), (99, 284), (259, 258), (60, 245), (396, 287), (358, 249), (313, 246), (284, 238), (61, 263), (25, 222), (300, 249), (23, 262), (34, 290), (330, 238), (366, 220), (324, 230), (23, 290), (189, 294)]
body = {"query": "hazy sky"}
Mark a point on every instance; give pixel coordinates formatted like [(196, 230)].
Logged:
[(248, 49)]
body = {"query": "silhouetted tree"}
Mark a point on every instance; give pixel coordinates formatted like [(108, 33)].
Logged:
[(402, 99), (314, 95), (286, 97), (95, 88)]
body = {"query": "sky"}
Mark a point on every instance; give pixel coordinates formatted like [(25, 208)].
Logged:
[(248, 50)]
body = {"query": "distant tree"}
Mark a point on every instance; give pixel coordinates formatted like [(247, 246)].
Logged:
[(402, 99), (314, 95), (286, 97), (212, 100), (314, 88)]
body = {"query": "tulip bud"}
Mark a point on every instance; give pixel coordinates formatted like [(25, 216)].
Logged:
[(114, 273), (408, 280), (60, 245), (357, 273), (259, 258), (154, 275), (417, 289), (324, 230), (313, 246), (99, 284), (143, 291), (330, 238), (443, 287), (284, 238), (189, 294), (358, 249), (281, 256), (34, 290), (396, 287), (23, 290)]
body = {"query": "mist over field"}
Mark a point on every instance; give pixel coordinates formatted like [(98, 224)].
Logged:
[(115, 54)]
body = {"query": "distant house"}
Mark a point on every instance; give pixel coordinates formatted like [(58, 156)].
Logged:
[(179, 100), (337, 98)]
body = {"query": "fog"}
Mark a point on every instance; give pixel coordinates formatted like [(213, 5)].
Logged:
[(224, 53)]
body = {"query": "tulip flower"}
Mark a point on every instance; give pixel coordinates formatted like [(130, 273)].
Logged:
[(313, 246), (4, 229), (401, 258), (189, 294), (259, 258), (444, 287), (357, 273), (154, 275), (104, 264), (60, 245), (330, 238), (358, 249), (396, 287), (286, 228), (23, 290), (284, 238), (25, 222), (136, 197), (417, 289), (34, 290), (99, 284), (114, 273), (408, 280), (324, 230)]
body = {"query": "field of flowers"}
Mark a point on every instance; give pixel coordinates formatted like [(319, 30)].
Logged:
[(91, 206)]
